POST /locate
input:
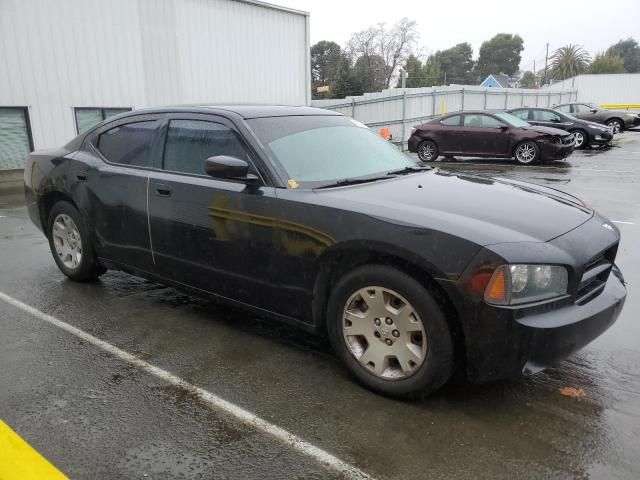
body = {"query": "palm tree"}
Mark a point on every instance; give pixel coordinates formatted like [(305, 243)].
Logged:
[(569, 61)]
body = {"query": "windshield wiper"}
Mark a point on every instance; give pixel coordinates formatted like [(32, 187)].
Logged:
[(352, 181), (411, 169)]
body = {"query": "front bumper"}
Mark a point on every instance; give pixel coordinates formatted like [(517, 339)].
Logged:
[(532, 341), (601, 138), (555, 151)]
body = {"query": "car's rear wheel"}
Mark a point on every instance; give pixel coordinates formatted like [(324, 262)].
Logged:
[(390, 332), (581, 139), (527, 153), (69, 243), (427, 151), (616, 124)]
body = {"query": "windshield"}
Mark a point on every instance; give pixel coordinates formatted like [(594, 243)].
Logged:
[(317, 150), (512, 120), (594, 106), (566, 116)]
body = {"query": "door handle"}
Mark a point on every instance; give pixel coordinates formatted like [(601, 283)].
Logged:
[(163, 190)]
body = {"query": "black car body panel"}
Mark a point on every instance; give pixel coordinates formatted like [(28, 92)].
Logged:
[(595, 133), (274, 248)]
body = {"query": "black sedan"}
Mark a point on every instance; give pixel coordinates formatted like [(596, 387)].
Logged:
[(585, 133), (305, 216), (489, 134)]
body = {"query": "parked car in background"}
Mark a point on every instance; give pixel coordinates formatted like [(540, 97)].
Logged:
[(585, 133), (489, 134), (618, 120), (303, 215)]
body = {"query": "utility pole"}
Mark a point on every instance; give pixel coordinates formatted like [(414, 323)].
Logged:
[(535, 75), (403, 78), (546, 58), (445, 78)]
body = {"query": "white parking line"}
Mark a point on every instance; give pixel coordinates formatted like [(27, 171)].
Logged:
[(625, 223), (244, 416)]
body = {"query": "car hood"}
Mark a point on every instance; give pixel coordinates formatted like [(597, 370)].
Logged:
[(548, 130), (480, 209)]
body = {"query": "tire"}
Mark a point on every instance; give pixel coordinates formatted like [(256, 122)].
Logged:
[(527, 153), (584, 139), (427, 151), (425, 330), (616, 124), (69, 243)]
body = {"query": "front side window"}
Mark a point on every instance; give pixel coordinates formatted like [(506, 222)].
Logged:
[(522, 114), (582, 108), (564, 108), (190, 142), (316, 150), (512, 120), (87, 118), (481, 121), (453, 121), (128, 144), (545, 116)]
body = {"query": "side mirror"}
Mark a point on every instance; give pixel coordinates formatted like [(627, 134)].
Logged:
[(594, 110), (555, 120), (503, 127), (229, 168)]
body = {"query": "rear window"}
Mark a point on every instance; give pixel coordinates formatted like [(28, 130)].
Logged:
[(128, 144)]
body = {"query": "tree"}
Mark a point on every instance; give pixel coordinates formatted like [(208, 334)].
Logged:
[(457, 61), (368, 74), (432, 72), (629, 51), (605, 63), (325, 56), (569, 61), (528, 80), (393, 45), (415, 72), (501, 54)]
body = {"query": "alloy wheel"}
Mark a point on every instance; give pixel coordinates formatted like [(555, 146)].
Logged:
[(615, 124), (526, 153), (383, 331), (579, 138), (67, 241), (426, 152)]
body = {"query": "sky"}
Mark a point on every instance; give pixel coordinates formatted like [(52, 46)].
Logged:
[(594, 24)]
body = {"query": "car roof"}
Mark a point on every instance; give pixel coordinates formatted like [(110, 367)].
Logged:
[(246, 111)]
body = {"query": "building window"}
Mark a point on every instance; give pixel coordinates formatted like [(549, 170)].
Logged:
[(15, 137), (88, 117)]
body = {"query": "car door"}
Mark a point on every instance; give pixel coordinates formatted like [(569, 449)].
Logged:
[(449, 135), (484, 134), (212, 234), (111, 181)]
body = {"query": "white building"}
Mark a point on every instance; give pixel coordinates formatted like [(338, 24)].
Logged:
[(606, 88), (67, 64)]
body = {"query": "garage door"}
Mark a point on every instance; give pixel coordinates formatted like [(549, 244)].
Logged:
[(15, 137)]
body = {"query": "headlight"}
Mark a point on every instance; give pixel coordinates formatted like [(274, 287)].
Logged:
[(516, 284)]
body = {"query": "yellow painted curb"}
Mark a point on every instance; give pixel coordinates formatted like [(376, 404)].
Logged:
[(19, 461)]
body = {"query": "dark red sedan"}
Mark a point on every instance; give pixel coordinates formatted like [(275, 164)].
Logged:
[(489, 134)]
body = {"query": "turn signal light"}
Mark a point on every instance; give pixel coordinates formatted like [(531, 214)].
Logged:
[(497, 290)]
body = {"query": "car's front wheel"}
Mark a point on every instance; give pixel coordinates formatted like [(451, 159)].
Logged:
[(390, 332), (580, 139), (616, 125), (69, 243), (427, 151), (527, 153)]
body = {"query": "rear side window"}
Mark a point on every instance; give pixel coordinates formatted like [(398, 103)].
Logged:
[(564, 108), (452, 121), (190, 142), (481, 121), (128, 144)]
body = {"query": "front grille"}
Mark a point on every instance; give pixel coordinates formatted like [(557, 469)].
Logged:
[(595, 275)]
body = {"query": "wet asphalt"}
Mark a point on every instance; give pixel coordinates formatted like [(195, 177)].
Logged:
[(94, 416)]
